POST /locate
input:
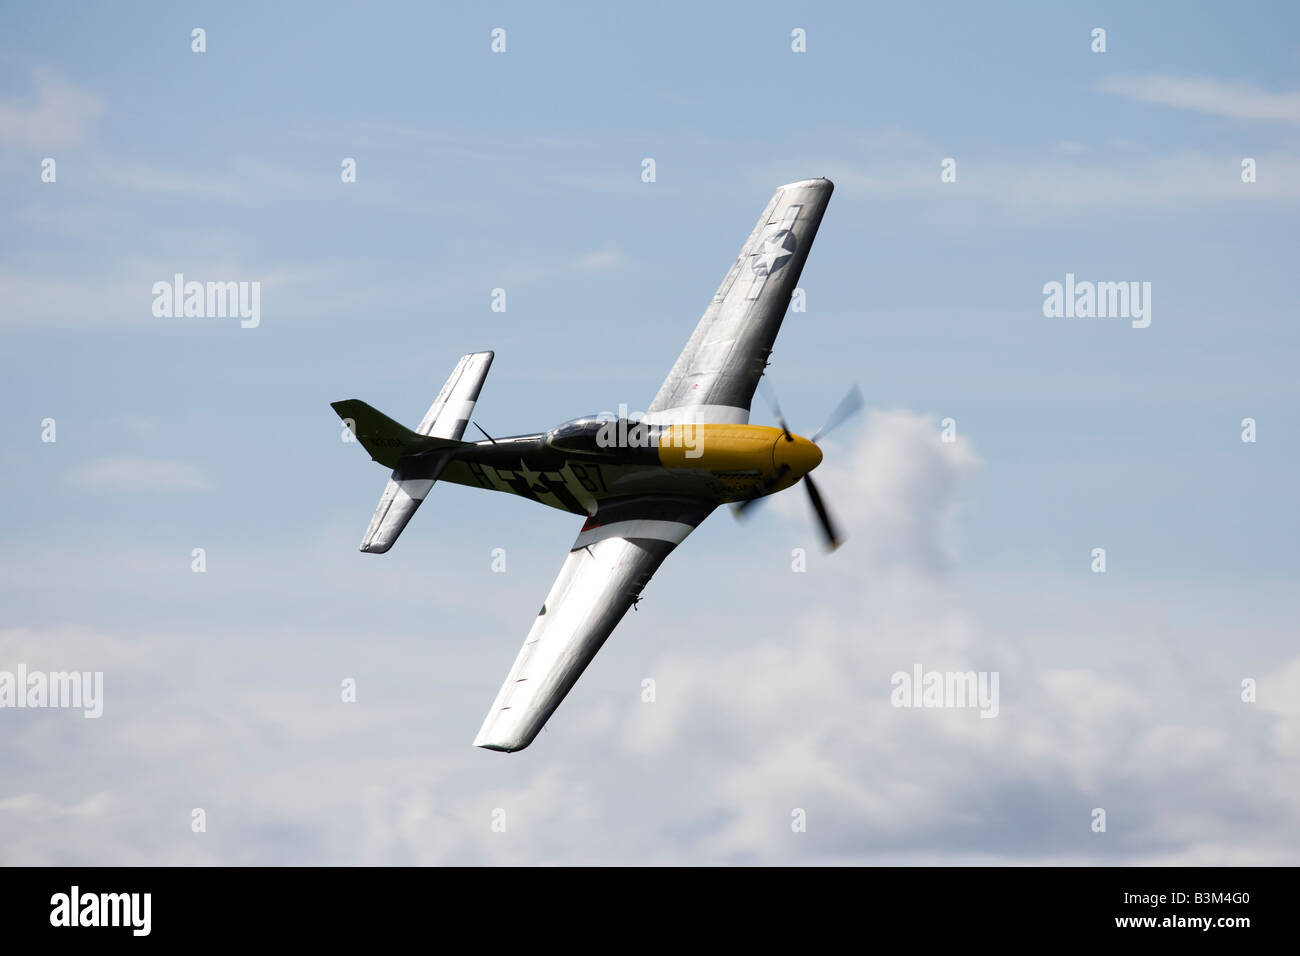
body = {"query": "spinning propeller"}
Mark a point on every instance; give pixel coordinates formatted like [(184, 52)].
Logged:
[(847, 407)]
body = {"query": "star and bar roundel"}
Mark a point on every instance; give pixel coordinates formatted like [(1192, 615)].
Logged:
[(773, 252)]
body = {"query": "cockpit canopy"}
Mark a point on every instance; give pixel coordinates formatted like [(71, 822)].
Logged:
[(601, 435)]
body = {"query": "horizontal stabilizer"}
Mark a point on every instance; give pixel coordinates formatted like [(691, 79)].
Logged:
[(450, 411), (416, 457), (409, 486)]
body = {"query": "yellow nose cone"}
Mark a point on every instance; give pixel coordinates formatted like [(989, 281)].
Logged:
[(801, 455)]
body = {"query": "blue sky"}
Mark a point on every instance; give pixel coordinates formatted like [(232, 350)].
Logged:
[(522, 171)]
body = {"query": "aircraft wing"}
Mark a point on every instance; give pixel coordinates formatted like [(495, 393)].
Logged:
[(714, 378), (615, 554)]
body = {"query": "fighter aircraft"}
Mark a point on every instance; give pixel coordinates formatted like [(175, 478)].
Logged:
[(642, 484)]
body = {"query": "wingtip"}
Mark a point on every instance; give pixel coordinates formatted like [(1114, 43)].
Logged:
[(501, 740), (502, 748), (809, 183)]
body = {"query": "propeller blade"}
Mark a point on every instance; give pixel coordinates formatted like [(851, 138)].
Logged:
[(847, 408), (741, 507), (828, 527), (769, 394)]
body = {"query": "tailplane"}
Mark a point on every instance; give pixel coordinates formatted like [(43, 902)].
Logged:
[(416, 457)]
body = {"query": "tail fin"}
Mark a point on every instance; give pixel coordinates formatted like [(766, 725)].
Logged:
[(387, 441)]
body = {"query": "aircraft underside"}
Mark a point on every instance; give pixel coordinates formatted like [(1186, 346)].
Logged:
[(577, 483)]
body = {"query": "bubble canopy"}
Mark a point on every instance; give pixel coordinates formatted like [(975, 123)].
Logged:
[(597, 434)]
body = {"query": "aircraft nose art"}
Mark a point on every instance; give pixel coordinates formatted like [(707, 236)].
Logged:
[(801, 455)]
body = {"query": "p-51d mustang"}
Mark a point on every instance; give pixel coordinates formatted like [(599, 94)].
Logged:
[(642, 485)]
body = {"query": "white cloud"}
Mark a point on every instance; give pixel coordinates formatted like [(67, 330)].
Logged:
[(40, 809), (599, 261), (1236, 100), (1034, 188), (772, 693), (1280, 696), (59, 115), (897, 486), (240, 180), (143, 474), (800, 717), (125, 296), (1070, 177)]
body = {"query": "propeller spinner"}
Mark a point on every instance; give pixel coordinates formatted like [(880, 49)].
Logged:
[(795, 453)]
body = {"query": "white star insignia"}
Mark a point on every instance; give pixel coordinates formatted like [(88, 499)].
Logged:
[(524, 472), (772, 252)]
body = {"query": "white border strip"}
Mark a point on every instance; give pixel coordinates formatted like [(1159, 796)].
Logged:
[(699, 415), (674, 532)]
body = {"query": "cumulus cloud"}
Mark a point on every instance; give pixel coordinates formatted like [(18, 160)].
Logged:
[(897, 488), (806, 723), (772, 695), (142, 474), (802, 717)]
